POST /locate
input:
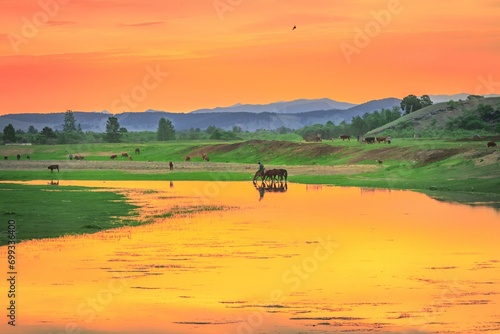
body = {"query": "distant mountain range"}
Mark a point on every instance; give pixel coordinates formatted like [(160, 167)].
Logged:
[(250, 117), (294, 115), (291, 107)]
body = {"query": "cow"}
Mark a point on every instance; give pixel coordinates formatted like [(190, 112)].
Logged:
[(28, 157), (130, 158), (381, 139), (113, 157), (5, 157), (171, 165), (52, 167), (18, 157), (379, 161), (188, 158), (344, 137), (369, 140), (491, 144), (124, 154), (79, 157), (137, 150)]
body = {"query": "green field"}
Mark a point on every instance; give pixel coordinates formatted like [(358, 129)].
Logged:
[(47, 211), (452, 170)]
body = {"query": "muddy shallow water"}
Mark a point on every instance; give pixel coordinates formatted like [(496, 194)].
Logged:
[(224, 257)]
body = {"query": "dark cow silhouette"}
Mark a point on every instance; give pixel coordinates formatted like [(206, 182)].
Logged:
[(188, 158), (79, 157), (491, 144), (28, 157), (113, 157), (344, 137), (124, 154), (369, 140), (6, 157), (52, 167), (137, 151), (381, 139), (18, 157), (171, 165), (379, 162)]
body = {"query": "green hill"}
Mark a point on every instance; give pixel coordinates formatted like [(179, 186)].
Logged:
[(433, 119)]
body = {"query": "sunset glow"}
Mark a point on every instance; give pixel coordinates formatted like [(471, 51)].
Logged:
[(131, 55)]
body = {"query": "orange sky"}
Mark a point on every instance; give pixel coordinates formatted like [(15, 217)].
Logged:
[(181, 55)]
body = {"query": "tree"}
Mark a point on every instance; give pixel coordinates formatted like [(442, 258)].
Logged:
[(9, 133), (48, 132), (487, 113), (410, 104), (69, 122), (32, 130), (425, 101), (166, 130), (112, 127)]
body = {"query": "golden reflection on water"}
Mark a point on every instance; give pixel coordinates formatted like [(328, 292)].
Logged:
[(312, 259)]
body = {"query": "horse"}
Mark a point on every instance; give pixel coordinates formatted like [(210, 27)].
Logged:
[(491, 144), (113, 157), (271, 174), (188, 158), (343, 137), (282, 174), (137, 150), (52, 167), (257, 175), (369, 140), (171, 165)]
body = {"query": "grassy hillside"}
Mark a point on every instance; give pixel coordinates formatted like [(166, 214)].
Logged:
[(434, 118)]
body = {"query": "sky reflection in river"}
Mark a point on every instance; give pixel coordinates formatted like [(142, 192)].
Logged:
[(314, 259)]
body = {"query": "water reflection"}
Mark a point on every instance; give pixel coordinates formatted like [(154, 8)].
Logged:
[(324, 262), (278, 187)]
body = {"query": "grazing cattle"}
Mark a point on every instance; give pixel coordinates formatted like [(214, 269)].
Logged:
[(28, 157), (491, 144), (130, 158), (188, 158), (6, 157), (344, 137), (79, 157), (124, 154), (381, 139), (205, 157), (113, 157), (18, 157), (52, 167), (171, 165), (379, 162), (137, 150), (369, 140)]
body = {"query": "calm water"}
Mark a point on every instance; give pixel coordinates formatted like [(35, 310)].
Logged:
[(232, 259)]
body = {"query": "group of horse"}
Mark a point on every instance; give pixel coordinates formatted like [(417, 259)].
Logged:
[(204, 156), (18, 157), (272, 175)]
